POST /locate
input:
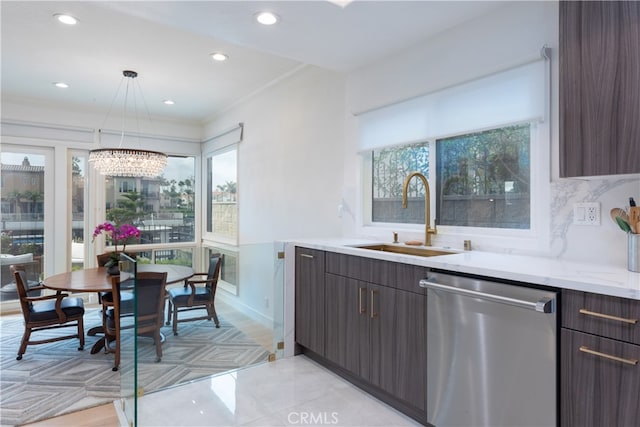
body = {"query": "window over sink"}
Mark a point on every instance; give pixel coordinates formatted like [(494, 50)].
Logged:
[(481, 179), (483, 146)]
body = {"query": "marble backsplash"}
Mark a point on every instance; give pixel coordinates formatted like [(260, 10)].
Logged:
[(604, 243)]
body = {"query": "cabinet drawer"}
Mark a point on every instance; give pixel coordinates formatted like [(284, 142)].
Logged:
[(371, 270), (602, 388), (611, 317)]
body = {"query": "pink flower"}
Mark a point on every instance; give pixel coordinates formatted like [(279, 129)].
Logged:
[(122, 234)]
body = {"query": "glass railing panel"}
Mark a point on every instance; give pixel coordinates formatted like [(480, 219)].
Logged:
[(249, 304), (128, 342), (278, 299)]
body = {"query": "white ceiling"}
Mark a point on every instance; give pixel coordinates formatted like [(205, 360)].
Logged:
[(168, 43)]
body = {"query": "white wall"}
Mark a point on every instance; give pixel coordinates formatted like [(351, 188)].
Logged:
[(289, 172)]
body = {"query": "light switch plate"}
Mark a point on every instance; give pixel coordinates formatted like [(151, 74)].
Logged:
[(586, 213)]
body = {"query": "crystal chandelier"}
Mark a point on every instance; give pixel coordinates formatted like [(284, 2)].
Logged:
[(127, 161)]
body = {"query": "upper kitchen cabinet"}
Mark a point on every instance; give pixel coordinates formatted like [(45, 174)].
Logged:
[(599, 88)]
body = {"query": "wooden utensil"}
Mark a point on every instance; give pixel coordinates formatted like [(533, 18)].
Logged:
[(634, 218)]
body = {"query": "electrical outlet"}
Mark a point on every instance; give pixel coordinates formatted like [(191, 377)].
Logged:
[(586, 213)]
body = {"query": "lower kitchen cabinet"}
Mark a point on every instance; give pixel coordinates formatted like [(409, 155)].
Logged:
[(376, 336), (360, 329), (310, 299), (347, 324), (410, 349), (597, 390), (600, 360)]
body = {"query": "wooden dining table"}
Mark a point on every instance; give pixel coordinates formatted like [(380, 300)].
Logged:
[(97, 280)]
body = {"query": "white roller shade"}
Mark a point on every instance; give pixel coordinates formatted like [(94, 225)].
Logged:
[(224, 139), (515, 95)]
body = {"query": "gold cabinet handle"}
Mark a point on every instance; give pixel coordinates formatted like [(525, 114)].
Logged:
[(373, 308), (306, 256), (608, 316), (608, 356), (360, 308)]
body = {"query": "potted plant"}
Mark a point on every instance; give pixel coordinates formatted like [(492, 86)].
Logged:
[(119, 235)]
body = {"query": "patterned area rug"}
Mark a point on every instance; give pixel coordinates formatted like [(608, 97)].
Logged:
[(55, 379)]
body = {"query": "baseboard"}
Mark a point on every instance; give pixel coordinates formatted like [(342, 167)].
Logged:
[(122, 417), (233, 301)]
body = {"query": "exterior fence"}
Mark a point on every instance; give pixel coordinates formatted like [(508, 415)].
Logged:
[(492, 211)]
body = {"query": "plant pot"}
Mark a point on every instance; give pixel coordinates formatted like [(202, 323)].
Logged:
[(113, 270)]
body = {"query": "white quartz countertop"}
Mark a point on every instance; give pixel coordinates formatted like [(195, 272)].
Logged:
[(588, 277)]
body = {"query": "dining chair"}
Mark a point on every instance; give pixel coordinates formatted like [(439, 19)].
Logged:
[(106, 298), (149, 312), (102, 259), (32, 271), (198, 292), (47, 312)]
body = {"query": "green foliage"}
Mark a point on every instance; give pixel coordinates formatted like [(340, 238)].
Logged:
[(392, 165), (481, 163)]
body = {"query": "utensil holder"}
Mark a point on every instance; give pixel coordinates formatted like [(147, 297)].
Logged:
[(633, 252)]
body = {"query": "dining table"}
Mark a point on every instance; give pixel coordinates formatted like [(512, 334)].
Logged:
[(97, 279)]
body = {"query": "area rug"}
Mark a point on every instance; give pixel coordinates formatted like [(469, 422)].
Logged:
[(54, 379)]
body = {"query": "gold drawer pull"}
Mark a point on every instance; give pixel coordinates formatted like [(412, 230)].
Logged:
[(608, 356), (306, 256), (608, 316)]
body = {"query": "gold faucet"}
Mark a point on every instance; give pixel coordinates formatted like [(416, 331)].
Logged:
[(427, 209)]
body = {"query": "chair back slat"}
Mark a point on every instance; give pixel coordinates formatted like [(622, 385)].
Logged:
[(150, 299), (215, 264), (23, 292)]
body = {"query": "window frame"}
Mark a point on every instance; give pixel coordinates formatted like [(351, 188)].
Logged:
[(536, 238), (211, 237), (98, 198)]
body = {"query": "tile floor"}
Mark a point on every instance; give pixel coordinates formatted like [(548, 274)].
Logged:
[(293, 391)]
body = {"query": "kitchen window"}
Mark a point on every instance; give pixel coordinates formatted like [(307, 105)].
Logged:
[(481, 179), (482, 144)]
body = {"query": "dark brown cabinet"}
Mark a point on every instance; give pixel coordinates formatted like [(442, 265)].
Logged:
[(599, 88), (310, 299), (376, 328), (347, 324), (600, 354), (361, 328)]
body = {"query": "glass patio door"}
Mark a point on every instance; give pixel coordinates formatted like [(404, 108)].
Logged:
[(24, 189)]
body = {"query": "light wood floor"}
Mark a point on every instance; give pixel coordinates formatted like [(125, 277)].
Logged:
[(106, 416), (99, 416)]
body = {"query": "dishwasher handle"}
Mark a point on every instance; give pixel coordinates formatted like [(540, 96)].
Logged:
[(543, 305)]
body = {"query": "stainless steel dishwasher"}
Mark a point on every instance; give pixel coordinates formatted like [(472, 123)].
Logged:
[(491, 353)]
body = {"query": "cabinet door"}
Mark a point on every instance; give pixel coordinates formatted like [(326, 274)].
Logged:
[(410, 349), (599, 87), (309, 298), (383, 327), (347, 323), (596, 390)]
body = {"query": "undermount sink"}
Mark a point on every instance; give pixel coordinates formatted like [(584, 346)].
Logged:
[(407, 250)]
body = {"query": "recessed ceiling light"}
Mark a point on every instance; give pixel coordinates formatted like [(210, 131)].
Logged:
[(219, 56), (61, 85), (266, 18), (66, 19), (168, 102)]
